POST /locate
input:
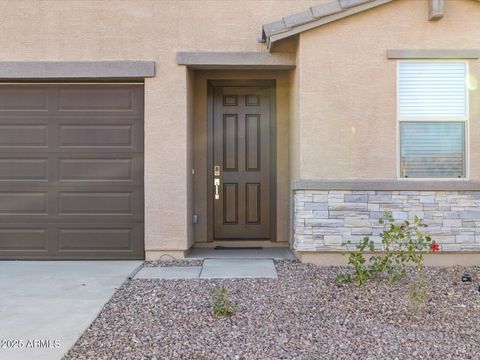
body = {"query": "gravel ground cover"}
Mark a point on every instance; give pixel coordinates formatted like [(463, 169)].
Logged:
[(171, 263), (304, 314)]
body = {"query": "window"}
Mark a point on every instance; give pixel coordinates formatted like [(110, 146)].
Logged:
[(433, 116)]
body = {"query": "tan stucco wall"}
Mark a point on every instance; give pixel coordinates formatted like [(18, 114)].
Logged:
[(146, 30), (347, 100), (330, 95)]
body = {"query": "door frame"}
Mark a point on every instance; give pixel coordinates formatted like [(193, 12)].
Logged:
[(271, 86)]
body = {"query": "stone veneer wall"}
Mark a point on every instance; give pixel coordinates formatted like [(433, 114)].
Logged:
[(323, 219)]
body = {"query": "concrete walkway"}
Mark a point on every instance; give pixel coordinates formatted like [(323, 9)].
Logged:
[(238, 268), (214, 269), (47, 305)]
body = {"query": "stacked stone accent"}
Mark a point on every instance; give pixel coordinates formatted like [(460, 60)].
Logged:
[(324, 219)]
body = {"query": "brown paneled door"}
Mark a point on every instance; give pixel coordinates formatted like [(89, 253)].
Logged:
[(241, 173)]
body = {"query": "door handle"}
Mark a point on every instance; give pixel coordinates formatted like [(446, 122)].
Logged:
[(216, 183)]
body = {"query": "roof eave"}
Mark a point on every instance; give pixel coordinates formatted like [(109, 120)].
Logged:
[(270, 40)]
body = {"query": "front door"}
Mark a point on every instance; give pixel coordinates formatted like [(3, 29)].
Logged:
[(242, 165)]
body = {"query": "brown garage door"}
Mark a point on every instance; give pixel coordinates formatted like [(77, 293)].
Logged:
[(71, 171)]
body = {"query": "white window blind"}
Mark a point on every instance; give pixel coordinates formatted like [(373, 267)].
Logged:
[(432, 149), (432, 89), (433, 115)]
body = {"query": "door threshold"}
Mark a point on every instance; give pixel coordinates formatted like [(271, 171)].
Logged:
[(264, 253), (242, 244), (238, 248)]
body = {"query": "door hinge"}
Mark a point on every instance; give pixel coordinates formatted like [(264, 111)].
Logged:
[(194, 219)]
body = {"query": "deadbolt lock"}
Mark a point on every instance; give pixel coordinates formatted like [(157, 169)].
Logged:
[(216, 170)]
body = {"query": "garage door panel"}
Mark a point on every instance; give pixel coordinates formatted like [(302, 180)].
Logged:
[(95, 239), (71, 241), (25, 203), (72, 219), (24, 99), (23, 136), (71, 171), (96, 169), (66, 171), (64, 186), (99, 203), (24, 239), (100, 242), (109, 99), (99, 137), (85, 136), (23, 169), (99, 169)]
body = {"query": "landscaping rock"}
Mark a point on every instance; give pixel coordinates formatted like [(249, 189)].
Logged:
[(305, 314), (173, 262)]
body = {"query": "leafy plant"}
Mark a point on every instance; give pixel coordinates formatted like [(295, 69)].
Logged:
[(403, 245), (222, 305), (362, 273)]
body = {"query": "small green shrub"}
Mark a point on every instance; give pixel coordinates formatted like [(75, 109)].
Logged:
[(362, 272), (222, 305), (402, 246)]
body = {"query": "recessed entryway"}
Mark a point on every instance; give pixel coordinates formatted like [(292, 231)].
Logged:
[(240, 131)]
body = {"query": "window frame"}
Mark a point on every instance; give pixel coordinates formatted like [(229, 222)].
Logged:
[(464, 119)]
